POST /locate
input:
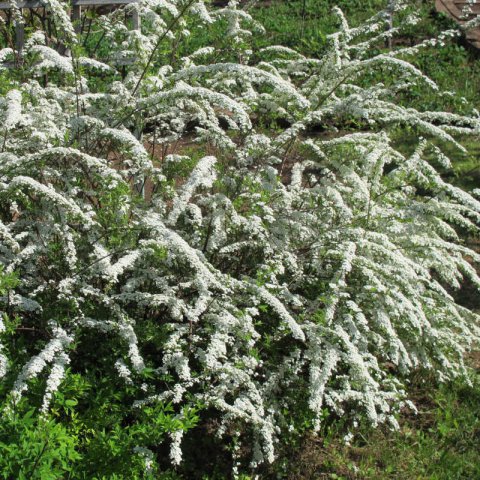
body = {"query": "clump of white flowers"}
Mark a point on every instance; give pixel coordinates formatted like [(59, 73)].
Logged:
[(278, 266)]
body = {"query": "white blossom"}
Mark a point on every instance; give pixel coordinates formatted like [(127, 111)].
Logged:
[(161, 209)]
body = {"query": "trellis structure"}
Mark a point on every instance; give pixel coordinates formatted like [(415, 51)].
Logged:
[(76, 13)]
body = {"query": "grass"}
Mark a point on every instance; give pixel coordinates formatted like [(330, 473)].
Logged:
[(440, 442), (304, 25), (455, 67)]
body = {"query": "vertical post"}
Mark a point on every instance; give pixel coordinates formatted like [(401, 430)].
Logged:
[(136, 20), (140, 185), (76, 15), (19, 33), (390, 10)]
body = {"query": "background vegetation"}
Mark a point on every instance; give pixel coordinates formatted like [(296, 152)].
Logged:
[(454, 66)]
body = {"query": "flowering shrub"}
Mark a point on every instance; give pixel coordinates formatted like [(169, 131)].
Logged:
[(185, 230)]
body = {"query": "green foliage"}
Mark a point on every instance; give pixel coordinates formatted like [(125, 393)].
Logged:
[(91, 432), (7, 281), (35, 447), (438, 443)]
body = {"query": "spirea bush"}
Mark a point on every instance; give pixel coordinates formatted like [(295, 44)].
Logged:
[(226, 230)]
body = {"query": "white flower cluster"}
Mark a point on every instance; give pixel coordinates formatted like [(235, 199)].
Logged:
[(272, 269), (53, 352)]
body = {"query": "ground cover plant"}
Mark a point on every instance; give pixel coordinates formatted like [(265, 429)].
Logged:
[(206, 252)]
